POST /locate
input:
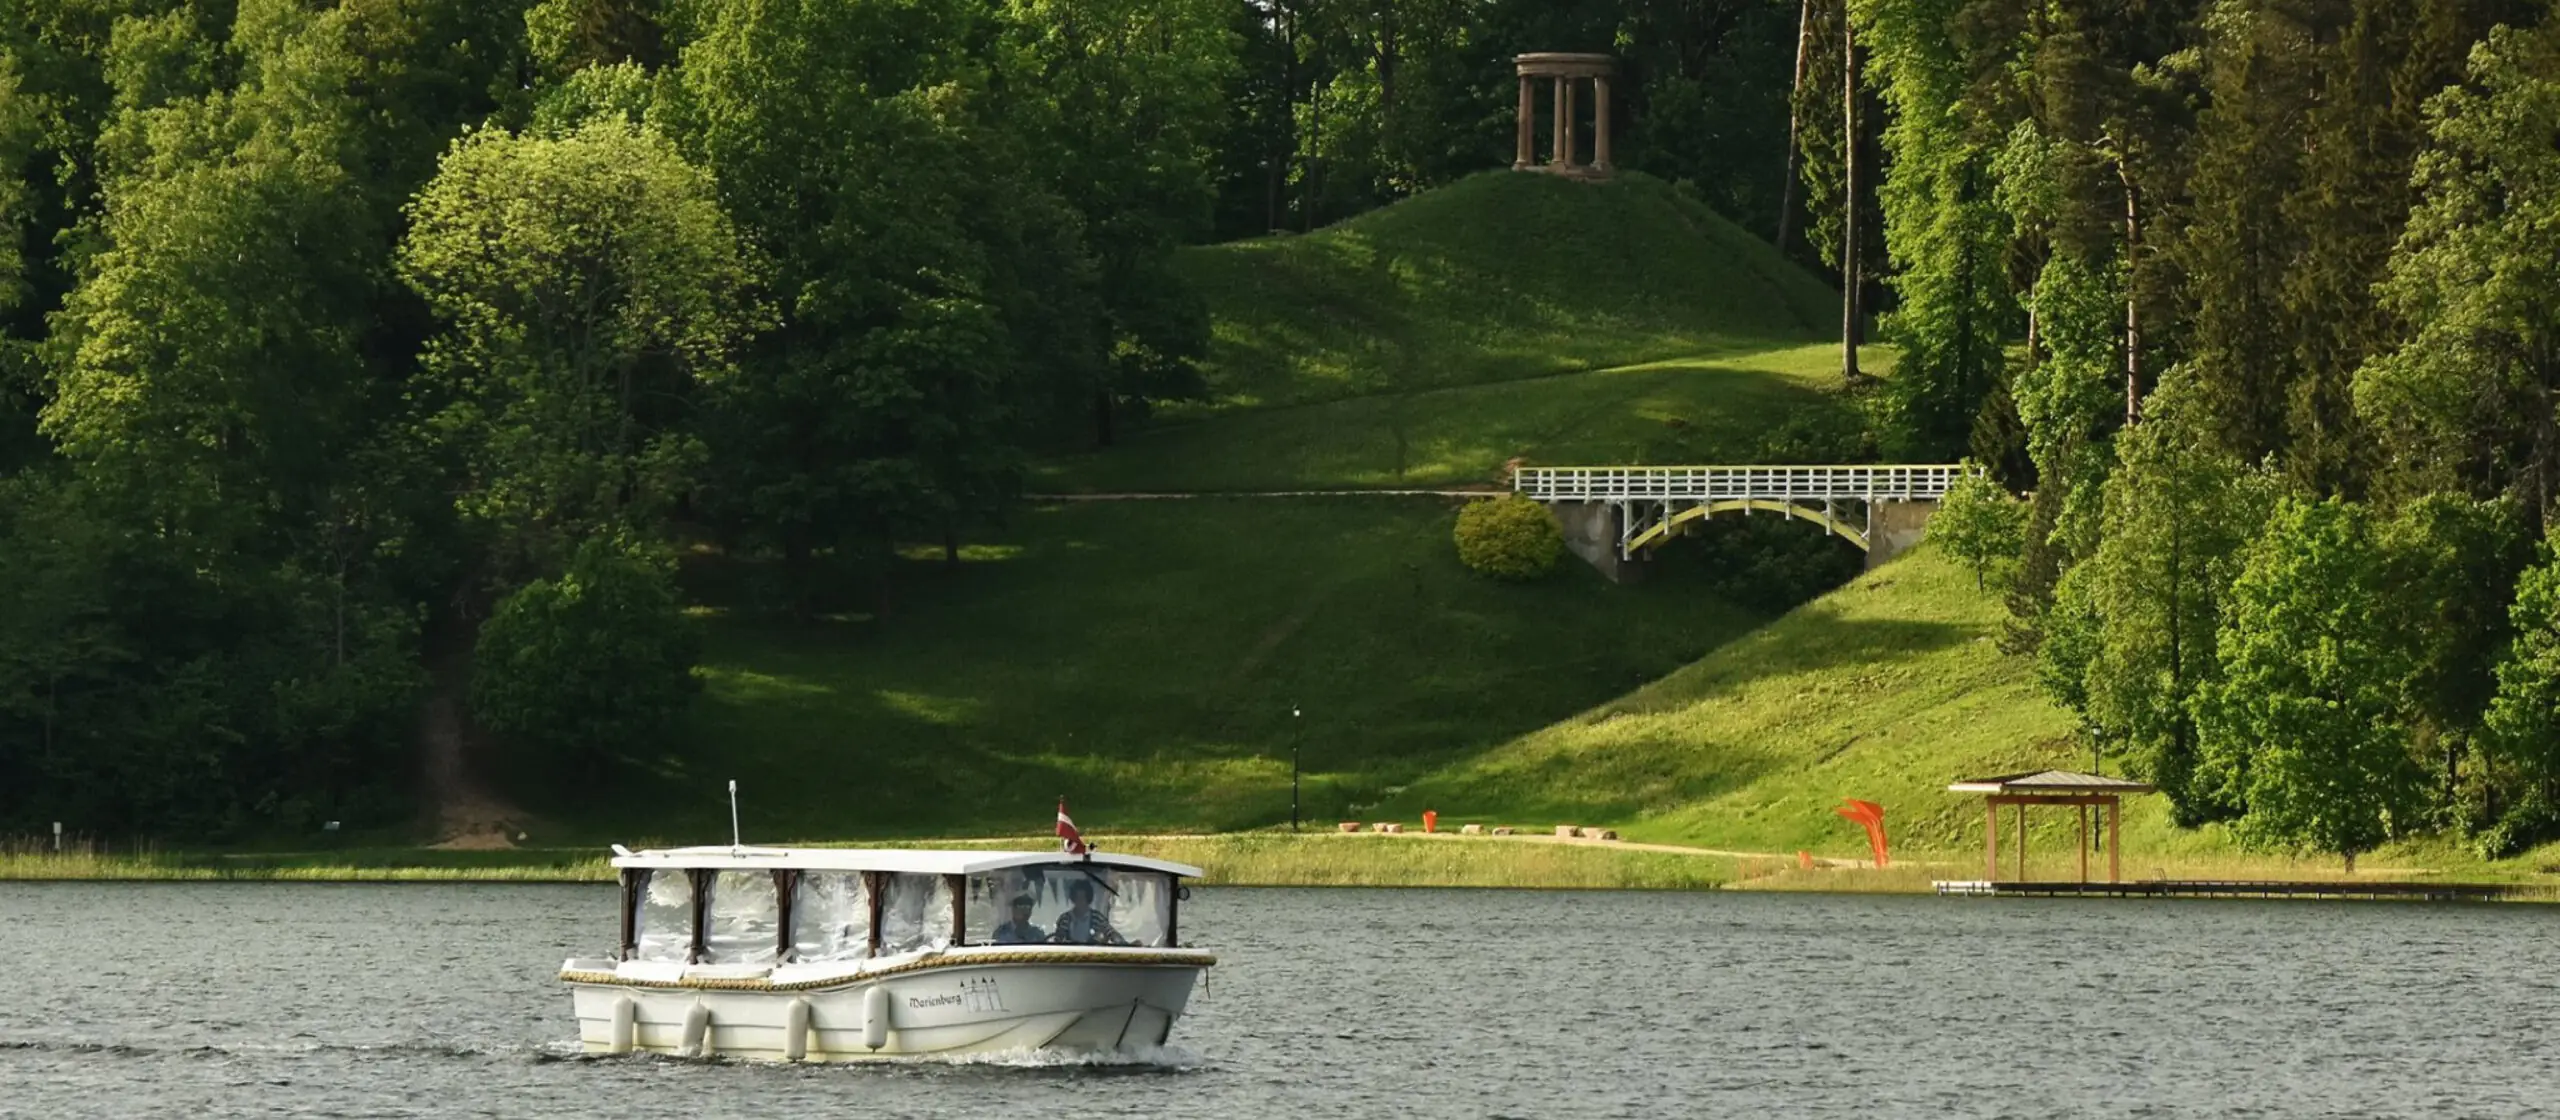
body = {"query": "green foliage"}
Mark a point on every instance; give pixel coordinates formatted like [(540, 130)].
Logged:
[(931, 294), (2465, 402), (1947, 235), (1511, 537), (2523, 719), (2453, 569), (2072, 399), (594, 666), (2304, 732), (2178, 512), (1979, 523), (587, 286), (1120, 101)]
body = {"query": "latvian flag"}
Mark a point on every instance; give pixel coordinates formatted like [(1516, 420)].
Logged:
[(1068, 837)]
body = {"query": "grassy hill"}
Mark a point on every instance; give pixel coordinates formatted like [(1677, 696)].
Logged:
[(1142, 658), (1504, 316), (1497, 277), (1887, 690), (1773, 405)]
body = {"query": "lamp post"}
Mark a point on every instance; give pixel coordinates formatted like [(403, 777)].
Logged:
[(1293, 768)]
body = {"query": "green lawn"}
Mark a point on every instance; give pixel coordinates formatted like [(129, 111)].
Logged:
[(1142, 658), (1781, 402), (1887, 690), (1498, 277)]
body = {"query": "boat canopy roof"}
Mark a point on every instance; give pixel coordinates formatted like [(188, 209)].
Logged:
[(924, 861)]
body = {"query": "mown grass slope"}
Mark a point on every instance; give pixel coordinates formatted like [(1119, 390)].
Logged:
[(1887, 689), (1142, 658), (1497, 277), (1747, 406)]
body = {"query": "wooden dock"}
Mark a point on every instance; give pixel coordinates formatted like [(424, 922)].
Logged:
[(2235, 888)]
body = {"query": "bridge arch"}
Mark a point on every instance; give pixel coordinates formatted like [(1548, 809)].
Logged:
[(1665, 528), (1611, 514)]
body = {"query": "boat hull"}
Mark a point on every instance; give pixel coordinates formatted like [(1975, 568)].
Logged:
[(949, 1007)]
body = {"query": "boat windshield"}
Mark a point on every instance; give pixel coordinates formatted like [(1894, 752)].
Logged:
[(743, 913), (1070, 904), (830, 917), (916, 914), (664, 918)]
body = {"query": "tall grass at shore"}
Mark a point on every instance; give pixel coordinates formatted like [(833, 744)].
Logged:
[(1245, 859)]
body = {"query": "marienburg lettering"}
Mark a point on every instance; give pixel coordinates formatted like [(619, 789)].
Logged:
[(935, 1001)]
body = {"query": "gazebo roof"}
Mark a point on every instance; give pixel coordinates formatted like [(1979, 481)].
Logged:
[(2050, 781)]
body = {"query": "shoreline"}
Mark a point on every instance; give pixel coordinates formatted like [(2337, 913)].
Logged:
[(1248, 859)]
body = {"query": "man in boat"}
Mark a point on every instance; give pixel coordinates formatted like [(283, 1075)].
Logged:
[(1021, 930), (1082, 924)]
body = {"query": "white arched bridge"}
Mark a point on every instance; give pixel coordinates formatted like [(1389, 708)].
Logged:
[(1878, 508)]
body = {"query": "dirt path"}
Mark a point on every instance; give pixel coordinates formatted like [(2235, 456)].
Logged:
[(465, 814)]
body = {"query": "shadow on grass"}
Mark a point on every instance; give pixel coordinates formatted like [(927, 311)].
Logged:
[(1143, 660), (1700, 410)]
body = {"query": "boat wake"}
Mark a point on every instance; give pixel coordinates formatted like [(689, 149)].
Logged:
[(287, 1049), (1148, 1059)]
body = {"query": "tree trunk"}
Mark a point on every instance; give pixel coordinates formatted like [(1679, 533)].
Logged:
[(1795, 98), (1105, 431), (1849, 277), (2132, 296)]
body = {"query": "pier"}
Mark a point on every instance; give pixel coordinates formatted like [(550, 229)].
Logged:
[(2235, 888)]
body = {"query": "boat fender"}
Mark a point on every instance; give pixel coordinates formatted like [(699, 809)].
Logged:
[(875, 1016), (795, 1030), (626, 1015), (697, 1031)]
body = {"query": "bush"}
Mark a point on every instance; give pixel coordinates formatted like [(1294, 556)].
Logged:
[(1509, 538), (1980, 524), (596, 663)]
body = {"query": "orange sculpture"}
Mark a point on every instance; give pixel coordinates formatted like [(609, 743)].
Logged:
[(1870, 815)]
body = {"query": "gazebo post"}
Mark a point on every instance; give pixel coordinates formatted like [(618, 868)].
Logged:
[(2084, 843), (1600, 161), (2022, 841), (2115, 845), (1557, 156), (1991, 838), (1527, 155)]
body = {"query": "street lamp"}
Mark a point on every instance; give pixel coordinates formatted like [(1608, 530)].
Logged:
[(1293, 768)]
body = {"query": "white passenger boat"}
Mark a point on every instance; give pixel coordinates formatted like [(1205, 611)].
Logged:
[(824, 954)]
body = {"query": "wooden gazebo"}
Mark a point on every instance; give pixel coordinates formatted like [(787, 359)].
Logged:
[(2051, 787)]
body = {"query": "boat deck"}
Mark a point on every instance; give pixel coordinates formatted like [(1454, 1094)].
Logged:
[(2233, 888)]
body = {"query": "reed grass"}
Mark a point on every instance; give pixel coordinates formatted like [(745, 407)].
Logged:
[(1241, 859)]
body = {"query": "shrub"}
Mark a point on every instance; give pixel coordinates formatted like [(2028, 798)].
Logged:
[(1980, 524), (1509, 538), (595, 663)]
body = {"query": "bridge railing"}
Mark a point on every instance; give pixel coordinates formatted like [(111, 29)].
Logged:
[(1896, 482)]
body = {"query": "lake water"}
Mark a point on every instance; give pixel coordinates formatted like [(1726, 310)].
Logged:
[(218, 1000)]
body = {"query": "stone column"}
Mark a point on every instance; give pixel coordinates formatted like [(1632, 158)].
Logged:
[(1600, 124), (1527, 154), (1569, 142), (1556, 150)]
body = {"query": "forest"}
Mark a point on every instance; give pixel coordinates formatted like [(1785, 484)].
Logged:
[(362, 356)]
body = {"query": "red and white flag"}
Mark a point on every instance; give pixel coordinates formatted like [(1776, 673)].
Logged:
[(1068, 837)]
